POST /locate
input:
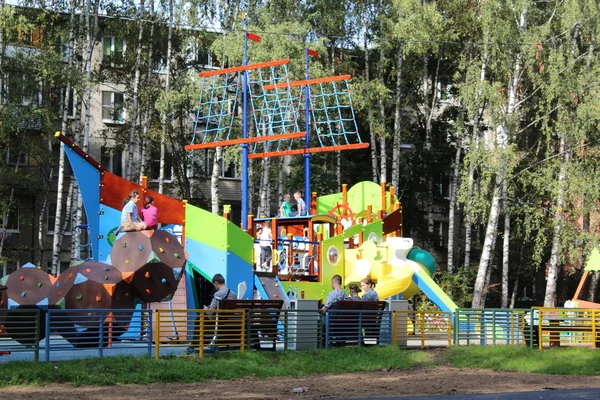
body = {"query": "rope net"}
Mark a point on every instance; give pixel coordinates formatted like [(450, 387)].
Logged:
[(216, 108), (274, 111)]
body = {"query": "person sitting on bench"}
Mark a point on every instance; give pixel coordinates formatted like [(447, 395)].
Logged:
[(336, 295)]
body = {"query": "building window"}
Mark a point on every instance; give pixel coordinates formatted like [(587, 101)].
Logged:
[(159, 64), (113, 48), (9, 219), (113, 107), (18, 88), (15, 152), (112, 160), (72, 103), (155, 167), (51, 219)]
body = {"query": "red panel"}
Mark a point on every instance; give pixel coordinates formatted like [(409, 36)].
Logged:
[(310, 150), (307, 82), (244, 68), (114, 189)]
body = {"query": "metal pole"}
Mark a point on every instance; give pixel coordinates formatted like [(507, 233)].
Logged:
[(245, 135), (307, 192)]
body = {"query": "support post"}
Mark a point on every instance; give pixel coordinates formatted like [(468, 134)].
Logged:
[(307, 129), (245, 135)]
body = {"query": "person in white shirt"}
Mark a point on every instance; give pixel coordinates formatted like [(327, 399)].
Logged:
[(265, 240)]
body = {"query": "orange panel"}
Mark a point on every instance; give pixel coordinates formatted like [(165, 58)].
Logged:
[(310, 150), (255, 139), (244, 68), (307, 82), (114, 189)]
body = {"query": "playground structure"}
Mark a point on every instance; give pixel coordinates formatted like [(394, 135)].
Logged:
[(173, 267)]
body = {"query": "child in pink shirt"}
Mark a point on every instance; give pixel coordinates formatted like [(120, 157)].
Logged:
[(150, 213)]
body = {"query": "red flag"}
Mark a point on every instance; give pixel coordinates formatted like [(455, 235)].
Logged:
[(313, 53), (252, 36)]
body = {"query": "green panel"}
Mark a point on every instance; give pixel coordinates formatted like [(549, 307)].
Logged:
[(593, 262), (205, 227), (217, 232), (326, 203), (374, 227), (360, 196), (424, 258), (240, 242)]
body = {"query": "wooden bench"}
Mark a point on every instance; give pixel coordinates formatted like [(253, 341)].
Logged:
[(262, 318), (353, 321)]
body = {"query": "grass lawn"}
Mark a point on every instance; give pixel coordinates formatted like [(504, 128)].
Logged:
[(144, 370)]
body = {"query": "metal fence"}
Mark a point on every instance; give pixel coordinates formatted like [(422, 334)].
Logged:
[(20, 331), (96, 333), (199, 331), (55, 334), (422, 329), (565, 327), (492, 327)]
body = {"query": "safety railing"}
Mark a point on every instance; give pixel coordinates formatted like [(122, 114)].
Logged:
[(565, 327), (81, 333), (202, 331), (357, 328), (20, 331), (422, 328), (491, 327)]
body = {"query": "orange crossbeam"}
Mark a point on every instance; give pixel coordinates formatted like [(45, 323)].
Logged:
[(244, 68), (257, 139), (308, 82), (310, 150)]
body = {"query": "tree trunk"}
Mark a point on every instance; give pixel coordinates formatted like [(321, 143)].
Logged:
[(430, 109), (505, 246), (214, 180), (515, 291), (452, 206), (166, 117), (147, 109), (471, 179), (135, 99), (553, 265), (488, 246), (382, 130), (372, 135), (265, 189), (595, 277), (397, 121)]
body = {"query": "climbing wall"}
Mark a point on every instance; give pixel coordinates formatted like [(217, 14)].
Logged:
[(151, 261)]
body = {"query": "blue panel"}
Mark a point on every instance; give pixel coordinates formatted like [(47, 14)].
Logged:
[(110, 220), (210, 261), (260, 288), (88, 178)]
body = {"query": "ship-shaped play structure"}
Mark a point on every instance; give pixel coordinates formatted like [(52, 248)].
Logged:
[(307, 251)]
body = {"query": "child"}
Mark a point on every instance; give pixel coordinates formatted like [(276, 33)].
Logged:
[(285, 210), (150, 213), (265, 240), (129, 216)]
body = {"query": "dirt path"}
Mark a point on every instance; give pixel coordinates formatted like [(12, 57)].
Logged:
[(393, 382)]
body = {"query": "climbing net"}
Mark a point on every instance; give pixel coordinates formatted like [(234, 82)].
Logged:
[(273, 113), (332, 116)]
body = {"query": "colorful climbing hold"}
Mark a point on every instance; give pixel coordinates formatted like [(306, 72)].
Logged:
[(164, 280), (147, 274), (126, 261), (140, 247), (79, 297), (21, 278), (70, 275), (161, 249), (105, 277), (23, 294), (148, 291), (107, 269), (98, 298), (88, 270), (59, 293), (124, 245), (39, 284), (176, 255), (168, 240)]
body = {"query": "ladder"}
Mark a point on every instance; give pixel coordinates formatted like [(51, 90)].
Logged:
[(85, 243)]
